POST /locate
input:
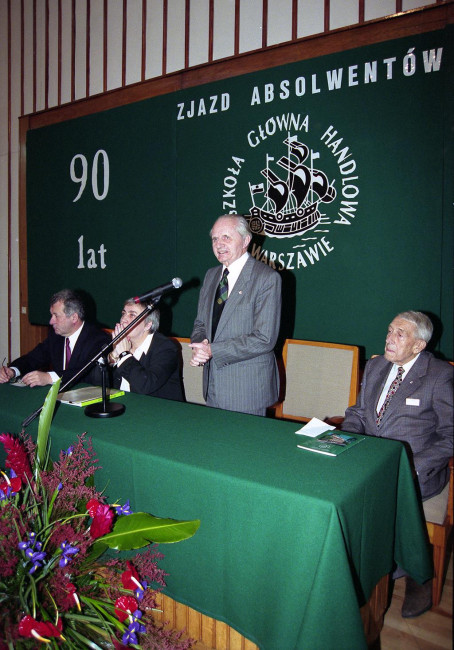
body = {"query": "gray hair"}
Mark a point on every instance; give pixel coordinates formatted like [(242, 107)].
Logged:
[(241, 225), (422, 323), (153, 316), (72, 303)]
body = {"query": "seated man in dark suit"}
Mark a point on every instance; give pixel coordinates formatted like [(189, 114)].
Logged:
[(407, 395), (144, 360), (70, 345)]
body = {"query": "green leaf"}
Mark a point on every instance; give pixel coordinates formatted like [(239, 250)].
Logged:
[(45, 420), (139, 529)]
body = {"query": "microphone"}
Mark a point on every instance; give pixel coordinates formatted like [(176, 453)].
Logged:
[(157, 293)]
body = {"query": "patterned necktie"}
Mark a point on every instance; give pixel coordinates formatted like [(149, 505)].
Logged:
[(68, 353), (220, 298), (222, 291), (389, 395)]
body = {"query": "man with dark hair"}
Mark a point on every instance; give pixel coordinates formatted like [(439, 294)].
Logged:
[(71, 344), (407, 395)]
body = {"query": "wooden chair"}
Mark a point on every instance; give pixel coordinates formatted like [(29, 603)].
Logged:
[(439, 521), (192, 377), (322, 379)]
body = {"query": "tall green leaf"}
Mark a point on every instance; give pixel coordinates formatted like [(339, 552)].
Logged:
[(45, 420), (139, 529)]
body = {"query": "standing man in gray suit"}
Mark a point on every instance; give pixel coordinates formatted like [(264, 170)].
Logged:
[(237, 324), (407, 395)]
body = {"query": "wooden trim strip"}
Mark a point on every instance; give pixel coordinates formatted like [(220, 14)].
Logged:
[(210, 31), (144, 40), (294, 20), (87, 48), (264, 23), (22, 56), (46, 56), (35, 63), (59, 52), (361, 11), (236, 47), (73, 50), (104, 46), (187, 31), (9, 216), (124, 43), (326, 16), (164, 36)]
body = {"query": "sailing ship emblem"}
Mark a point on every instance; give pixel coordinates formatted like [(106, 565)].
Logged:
[(291, 206)]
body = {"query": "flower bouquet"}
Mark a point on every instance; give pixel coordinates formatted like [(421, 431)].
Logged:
[(58, 586)]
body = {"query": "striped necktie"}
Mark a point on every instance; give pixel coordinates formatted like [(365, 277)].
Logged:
[(389, 395)]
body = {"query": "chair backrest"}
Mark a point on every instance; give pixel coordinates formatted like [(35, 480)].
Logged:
[(322, 379), (192, 377)]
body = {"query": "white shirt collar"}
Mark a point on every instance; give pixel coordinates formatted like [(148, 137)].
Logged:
[(406, 366), (143, 347), (235, 269), (73, 337)]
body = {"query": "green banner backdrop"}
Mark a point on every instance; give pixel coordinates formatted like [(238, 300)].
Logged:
[(343, 164)]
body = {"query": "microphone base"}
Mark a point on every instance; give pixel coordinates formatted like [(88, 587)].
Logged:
[(111, 410)]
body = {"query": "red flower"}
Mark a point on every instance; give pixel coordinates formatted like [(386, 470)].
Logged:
[(124, 606), (92, 507), (13, 483), (128, 575), (39, 629), (17, 457), (102, 521)]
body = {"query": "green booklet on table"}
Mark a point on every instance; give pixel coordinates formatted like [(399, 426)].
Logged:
[(87, 395), (332, 443)]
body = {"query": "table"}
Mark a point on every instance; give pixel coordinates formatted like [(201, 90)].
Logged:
[(291, 543)]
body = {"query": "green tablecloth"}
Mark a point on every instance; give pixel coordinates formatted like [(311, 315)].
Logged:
[(291, 543)]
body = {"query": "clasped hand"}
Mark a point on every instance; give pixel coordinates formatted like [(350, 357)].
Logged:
[(201, 353)]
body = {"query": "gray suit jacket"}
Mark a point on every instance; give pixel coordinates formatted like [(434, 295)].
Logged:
[(420, 414), (242, 374)]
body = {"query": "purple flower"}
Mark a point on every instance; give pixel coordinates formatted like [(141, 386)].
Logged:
[(36, 558), (140, 591), (33, 552), (67, 552), (69, 451), (124, 510), (134, 628)]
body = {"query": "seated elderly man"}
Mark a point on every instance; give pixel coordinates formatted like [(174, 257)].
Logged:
[(407, 395), (144, 360)]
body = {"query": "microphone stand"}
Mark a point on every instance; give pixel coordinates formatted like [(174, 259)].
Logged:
[(102, 409)]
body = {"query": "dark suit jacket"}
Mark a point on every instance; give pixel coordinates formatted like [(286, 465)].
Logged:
[(157, 373), (48, 355), (242, 375), (420, 414)]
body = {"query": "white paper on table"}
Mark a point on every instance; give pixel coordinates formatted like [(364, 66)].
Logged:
[(314, 428)]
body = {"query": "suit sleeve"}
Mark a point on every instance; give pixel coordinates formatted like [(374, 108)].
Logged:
[(262, 335), (355, 419), (37, 359), (436, 455), (152, 371), (199, 330)]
